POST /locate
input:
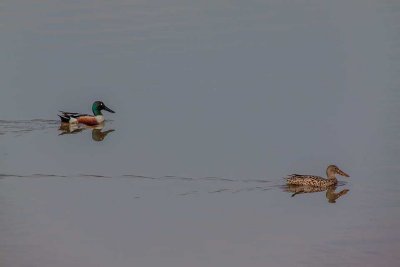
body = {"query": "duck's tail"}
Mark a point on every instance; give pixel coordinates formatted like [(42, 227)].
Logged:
[(64, 118)]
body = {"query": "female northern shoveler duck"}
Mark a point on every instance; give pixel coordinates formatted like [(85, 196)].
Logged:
[(310, 180), (91, 120)]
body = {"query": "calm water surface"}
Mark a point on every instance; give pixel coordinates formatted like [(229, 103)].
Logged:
[(215, 102)]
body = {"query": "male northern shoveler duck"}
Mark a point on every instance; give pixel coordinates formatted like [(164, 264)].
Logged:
[(91, 120), (310, 180)]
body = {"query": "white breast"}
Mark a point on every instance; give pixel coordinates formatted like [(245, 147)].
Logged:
[(99, 118)]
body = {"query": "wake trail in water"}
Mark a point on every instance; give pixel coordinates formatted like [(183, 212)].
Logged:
[(221, 184), (18, 127)]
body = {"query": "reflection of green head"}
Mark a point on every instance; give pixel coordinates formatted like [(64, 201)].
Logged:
[(98, 106)]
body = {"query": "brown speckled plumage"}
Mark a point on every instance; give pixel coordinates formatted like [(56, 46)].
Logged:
[(316, 181)]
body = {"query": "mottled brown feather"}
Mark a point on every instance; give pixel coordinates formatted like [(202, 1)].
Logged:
[(296, 179)]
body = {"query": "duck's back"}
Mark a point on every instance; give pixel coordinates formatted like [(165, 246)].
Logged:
[(311, 180)]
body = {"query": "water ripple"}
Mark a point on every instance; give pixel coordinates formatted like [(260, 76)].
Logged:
[(135, 176), (235, 185), (24, 126)]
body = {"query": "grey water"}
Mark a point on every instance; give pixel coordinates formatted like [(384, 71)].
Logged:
[(215, 102)]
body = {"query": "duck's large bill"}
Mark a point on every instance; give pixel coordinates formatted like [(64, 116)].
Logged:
[(342, 173), (108, 109)]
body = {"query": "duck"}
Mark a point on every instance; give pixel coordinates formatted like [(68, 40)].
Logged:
[(90, 120), (317, 181)]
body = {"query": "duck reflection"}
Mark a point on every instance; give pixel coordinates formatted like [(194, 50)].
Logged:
[(98, 134), (331, 194)]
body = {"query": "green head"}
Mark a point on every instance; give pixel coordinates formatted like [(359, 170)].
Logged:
[(98, 106)]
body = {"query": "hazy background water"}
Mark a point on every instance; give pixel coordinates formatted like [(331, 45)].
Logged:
[(215, 101)]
